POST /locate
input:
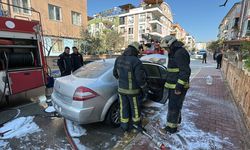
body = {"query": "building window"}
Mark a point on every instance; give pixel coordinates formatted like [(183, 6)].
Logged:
[(130, 19), (57, 45), (142, 29), (130, 39), (130, 30), (76, 44), (122, 30), (54, 12), (122, 20), (142, 17), (248, 28), (76, 18), (21, 3)]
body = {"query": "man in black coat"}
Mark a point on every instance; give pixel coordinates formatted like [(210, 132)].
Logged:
[(204, 58), (76, 59), (177, 82), (64, 62)]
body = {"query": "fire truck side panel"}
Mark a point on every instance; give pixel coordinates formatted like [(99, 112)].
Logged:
[(17, 25), (21, 81)]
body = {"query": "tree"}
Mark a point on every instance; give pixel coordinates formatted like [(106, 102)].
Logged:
[(244, 53), (113, 40), (214, 45), (93, 44)]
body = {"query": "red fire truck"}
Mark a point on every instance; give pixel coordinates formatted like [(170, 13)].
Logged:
[(22, 61)]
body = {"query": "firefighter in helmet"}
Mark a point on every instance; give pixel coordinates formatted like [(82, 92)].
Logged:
[(177, 81), (129, 71)]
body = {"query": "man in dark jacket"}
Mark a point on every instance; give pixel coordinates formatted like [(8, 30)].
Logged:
[(218, 56), (76, 59), (129, 71), (204, 58), (64, 62), (177, 81)]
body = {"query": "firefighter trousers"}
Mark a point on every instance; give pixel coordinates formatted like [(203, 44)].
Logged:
[(129, 108), (174, 108)]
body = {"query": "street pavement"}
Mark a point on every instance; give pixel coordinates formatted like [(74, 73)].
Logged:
[(211, 120)]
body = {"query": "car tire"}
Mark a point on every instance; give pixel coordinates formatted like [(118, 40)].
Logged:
[(113, 116)]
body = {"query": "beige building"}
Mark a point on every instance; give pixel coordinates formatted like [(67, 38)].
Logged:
[(190, 42), (178, 32), (229, 26), (62, 20), (245, 19), (149, 21)]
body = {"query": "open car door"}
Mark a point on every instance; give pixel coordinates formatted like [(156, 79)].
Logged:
[(156, 77)]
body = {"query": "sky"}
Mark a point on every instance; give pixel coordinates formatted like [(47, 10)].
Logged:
[(200, 18)]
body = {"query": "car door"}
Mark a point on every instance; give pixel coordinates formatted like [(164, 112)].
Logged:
[(156, 77)]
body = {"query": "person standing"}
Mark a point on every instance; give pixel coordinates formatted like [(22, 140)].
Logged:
[(218, 59), (204, 58), (129, 71), (64, 62), (177, 82), (76, 59)]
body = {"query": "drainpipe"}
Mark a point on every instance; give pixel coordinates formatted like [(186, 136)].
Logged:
[(9, 8), (242, 17)]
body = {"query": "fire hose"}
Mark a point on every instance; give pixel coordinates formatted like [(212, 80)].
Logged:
[(160, 145)]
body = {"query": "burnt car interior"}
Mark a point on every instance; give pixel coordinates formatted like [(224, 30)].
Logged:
[(156, 76)]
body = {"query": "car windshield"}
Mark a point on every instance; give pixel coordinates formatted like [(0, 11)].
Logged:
[(92, 70)]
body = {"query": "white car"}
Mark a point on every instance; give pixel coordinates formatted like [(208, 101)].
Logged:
[(90, 93), (199, 54)]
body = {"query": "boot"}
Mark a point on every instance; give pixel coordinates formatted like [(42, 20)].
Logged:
[(171, 130)]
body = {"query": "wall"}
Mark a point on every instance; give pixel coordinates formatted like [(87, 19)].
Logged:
[(239, 83), (62, 28)]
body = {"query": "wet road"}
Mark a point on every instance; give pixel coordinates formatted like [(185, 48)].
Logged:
[(52, 134)]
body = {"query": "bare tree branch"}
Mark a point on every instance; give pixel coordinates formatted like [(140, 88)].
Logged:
[(223, 5)]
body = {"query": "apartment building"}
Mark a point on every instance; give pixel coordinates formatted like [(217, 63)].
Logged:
[(62, 20), (190, 42), (108, 19), (148, 21), (178, 32), (245, 19), (229, 26)]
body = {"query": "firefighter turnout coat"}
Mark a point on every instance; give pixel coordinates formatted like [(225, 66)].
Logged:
[(178, 68)]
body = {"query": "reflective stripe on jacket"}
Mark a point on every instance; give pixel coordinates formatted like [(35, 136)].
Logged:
[(129, 71)]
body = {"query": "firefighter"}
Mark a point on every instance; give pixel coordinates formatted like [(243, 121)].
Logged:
[(76, 59), (64, 62), (129, 71), (177, 81)]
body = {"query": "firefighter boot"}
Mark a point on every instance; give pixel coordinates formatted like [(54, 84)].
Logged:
[(171, 130)]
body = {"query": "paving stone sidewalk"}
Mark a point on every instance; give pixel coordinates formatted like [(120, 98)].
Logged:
[(216, 109), (211, 119)]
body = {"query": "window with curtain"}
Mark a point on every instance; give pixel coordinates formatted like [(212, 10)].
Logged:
[(23, 4), (76, 18), (54, 12), (57, 45)]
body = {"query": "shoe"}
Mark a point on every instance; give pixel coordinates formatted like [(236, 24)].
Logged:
[(171, 130)]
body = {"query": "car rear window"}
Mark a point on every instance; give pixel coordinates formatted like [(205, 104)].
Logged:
[(92, 70)]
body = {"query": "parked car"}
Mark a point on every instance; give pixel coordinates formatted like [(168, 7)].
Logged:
[(90, 93), (200, 53)]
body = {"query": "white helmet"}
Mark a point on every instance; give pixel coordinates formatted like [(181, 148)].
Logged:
[(167, 41), (135, 45)]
